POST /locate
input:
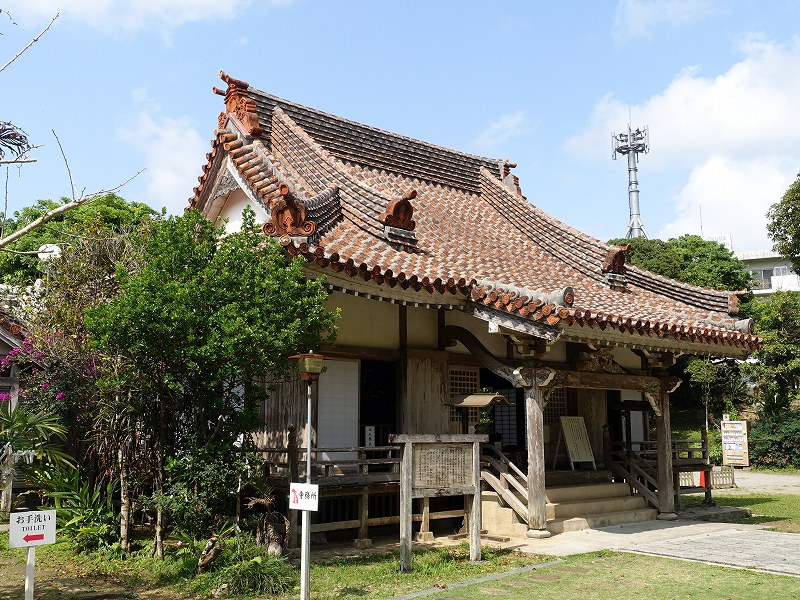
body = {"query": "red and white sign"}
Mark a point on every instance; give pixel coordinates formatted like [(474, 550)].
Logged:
[(303, 496), (33, 528)]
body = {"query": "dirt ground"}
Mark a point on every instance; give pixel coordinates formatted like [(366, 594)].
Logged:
[(748, 482)]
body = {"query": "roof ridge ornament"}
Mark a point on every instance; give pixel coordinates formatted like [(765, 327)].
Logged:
[(400, 212), (614, 267), (289, 217), (509, 180), (239, 103)]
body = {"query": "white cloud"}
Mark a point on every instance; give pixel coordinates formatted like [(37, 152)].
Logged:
[(128, 15), (735, 135), (730, 197), (171, 148), (501, 130), (637, 18)]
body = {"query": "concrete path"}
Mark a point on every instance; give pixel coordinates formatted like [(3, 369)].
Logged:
[(728, 544), (746, 546)]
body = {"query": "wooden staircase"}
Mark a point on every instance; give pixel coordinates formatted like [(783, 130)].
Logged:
[(576, 500)]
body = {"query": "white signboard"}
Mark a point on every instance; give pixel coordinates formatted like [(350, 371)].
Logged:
[(33, 528), (577, 440), (303, 496)]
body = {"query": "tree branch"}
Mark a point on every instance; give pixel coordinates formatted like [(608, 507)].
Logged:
[(31, 43)]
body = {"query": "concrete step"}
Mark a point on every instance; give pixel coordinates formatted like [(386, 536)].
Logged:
[(589, 491), (601, 520), (500, 520), (566, 510)]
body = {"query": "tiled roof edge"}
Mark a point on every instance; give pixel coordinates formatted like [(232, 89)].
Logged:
[(533, 309)]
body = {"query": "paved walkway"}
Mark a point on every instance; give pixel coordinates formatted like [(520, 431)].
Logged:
[(737, 545), (746, 546)]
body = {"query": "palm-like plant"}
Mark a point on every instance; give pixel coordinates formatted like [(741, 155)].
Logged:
[(28, 435)]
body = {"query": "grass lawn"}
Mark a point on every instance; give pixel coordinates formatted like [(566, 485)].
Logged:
[(780, 512), (610, 575), (606, 575)]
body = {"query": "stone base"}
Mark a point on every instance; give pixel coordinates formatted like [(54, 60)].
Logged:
[(667, 516), (424, 537), (538, 534), (362, 544)]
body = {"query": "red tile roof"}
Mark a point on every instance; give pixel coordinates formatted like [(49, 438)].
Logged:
[(399, 211)]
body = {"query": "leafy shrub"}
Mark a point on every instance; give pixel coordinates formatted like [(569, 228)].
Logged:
[(259, 575), (202, 487), (84, 510), (245, 568), (773, 441)]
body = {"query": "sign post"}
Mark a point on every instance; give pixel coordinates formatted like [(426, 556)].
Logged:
[(28, 530)]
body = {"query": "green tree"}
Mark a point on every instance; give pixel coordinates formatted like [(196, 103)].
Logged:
[(19, 263), (690, 259), (776, 369), (195, 327), (783, 225)]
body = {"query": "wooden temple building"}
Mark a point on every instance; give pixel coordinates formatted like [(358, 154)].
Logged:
[(461, 299)]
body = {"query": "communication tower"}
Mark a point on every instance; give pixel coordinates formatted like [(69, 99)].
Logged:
[(632, 144)]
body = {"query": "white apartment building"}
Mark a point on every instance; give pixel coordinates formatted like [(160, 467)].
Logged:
[(770, 272)]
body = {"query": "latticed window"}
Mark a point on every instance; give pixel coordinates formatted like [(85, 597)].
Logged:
[(464, 381), (556, 406), (505, 418)]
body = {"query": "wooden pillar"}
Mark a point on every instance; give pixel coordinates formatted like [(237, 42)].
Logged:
[(666, 490), (425, 535), (537, 509), (405, 509), (475, 512), (363, 542), (402, 371)]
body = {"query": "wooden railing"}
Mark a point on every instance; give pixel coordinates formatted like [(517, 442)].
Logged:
[(637, 469), (359, 488), (506, 479), (637, 462)]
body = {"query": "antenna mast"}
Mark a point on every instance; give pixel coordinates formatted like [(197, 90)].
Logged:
[(632, 144)]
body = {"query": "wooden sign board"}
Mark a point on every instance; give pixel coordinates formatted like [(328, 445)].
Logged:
[(735, 451), (576, 439), (440, 465)]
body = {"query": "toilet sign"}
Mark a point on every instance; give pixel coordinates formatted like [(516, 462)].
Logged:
[(33, 528), (28, 530), (303, 496)]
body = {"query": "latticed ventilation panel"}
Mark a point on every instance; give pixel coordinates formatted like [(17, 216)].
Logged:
[(556, 406), (505, 418), (464, 381)]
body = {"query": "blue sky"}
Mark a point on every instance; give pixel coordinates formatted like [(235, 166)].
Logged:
[(126, 85)]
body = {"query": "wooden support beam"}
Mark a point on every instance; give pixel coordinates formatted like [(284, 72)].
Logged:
[(537, 511), (406, 509), (475, 513), (666, 490)]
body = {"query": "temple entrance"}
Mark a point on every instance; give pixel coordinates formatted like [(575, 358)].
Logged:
[(378, 402)]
